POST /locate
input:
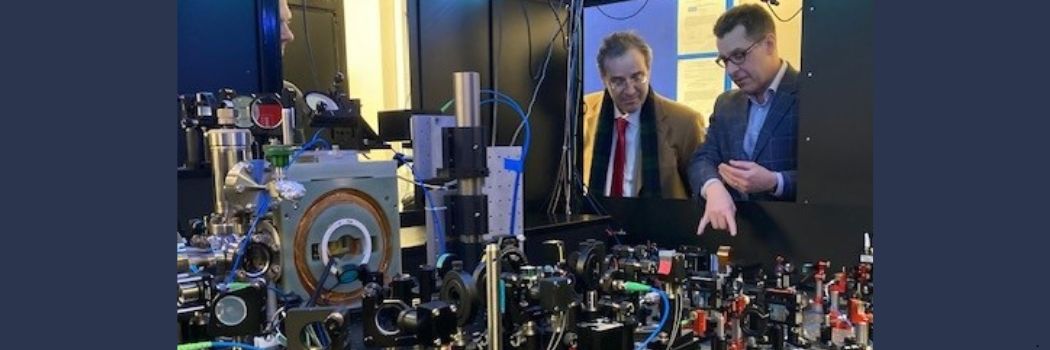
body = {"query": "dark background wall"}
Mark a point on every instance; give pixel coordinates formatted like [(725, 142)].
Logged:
[(448, 36), (221, 44)]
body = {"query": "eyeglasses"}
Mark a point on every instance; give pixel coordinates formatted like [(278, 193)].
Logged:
[(618, 83), (737, 58)]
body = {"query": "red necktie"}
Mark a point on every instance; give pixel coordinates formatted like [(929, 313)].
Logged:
[(616, 187)]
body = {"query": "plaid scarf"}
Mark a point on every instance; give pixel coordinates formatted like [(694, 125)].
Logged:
[(603, 148)]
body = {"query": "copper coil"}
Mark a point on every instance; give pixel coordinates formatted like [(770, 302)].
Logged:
[(305, 225)]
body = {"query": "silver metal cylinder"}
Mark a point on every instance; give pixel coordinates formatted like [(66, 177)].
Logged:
[(182, 264), (215, 261), (467, 87), (720, 326), (287, 125), (862, 334), (492, 269), (189, 293), (468, 98), (271, 303), (592, 300), (227, 147)]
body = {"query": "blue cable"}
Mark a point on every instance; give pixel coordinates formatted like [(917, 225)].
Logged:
[(517, 166), (226, 344), (317, 135), (504, 96), (439, 230), (322, 336), (441, 260), (305, 147), (313, 142), (514, 203), (264, 205), (663, 319), (320, 283)]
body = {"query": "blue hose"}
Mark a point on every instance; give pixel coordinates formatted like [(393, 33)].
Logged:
[(226, 344), (439, 230), (518, 166), (306, 147), (264, 205), (663, 319)]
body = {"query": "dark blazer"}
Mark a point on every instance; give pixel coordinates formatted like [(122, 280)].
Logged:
[(775, 149)]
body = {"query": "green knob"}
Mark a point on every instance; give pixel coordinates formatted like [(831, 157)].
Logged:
[(278, 155)]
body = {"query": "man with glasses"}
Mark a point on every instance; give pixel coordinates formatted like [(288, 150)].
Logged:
[(750, 151), (636, 143)]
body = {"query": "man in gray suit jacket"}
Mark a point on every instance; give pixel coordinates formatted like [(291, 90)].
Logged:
[(750, 151)]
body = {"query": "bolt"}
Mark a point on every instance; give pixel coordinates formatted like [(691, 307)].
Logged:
[(809, 74), (807, 138), (811, 8)]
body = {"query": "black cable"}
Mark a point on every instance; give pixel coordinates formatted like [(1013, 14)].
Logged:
[(561, 30), (537, 75), (778, 16), (535, 92), (561, 24), (320, 283), (528, 30), (577, 91), (571, 30), (624, 18), (309, 50), (595, 204)]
